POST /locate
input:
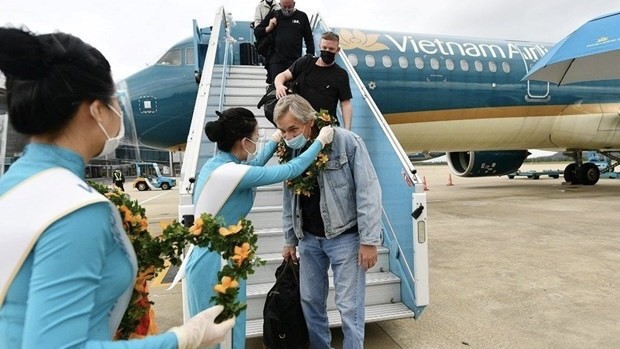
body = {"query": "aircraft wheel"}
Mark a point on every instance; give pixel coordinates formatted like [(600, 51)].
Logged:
[(589, 173), (142, 186), (570, 174), (511, 176)]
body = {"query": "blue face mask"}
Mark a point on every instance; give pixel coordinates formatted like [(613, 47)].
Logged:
[(298, 141)]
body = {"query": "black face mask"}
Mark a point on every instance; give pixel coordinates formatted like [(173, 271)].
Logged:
[(328, 57)]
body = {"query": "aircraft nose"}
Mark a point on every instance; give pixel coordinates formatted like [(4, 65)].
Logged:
[(124, 98)]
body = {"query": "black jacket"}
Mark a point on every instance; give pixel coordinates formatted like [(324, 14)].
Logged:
[(288, 36)]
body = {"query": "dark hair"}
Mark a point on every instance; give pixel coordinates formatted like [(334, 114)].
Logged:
[(48, 76), (233, 124)]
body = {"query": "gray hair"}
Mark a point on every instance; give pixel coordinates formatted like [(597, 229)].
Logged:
[(297, 106)]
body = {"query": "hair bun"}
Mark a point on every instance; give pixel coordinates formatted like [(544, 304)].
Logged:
[(22, 54), (214, 130)]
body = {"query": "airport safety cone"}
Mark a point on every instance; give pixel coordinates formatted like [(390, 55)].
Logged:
[(450, 180), (424, 183)]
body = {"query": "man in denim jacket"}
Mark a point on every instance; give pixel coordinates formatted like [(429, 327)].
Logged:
[(338, 225)]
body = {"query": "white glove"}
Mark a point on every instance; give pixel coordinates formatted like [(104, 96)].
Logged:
[(326, 135), (202, 331), (277, 136)]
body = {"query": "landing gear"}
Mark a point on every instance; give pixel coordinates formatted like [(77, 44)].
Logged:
[(570, 174), (588, 174), (581, 173)]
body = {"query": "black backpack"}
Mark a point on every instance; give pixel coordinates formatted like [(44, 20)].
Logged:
[(284, 326), (269, 100), (264, 45)]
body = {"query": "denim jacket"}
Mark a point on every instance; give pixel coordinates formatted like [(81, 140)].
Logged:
[(350, 194)]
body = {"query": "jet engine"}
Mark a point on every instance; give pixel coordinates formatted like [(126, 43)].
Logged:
[(485, 163)]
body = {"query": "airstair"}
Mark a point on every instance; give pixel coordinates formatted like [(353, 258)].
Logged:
[(397, 287)]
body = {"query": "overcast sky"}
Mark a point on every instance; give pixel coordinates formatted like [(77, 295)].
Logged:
[(134, 33)]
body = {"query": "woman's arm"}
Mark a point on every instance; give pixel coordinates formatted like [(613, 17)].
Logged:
[(265, 154), (259, 176)]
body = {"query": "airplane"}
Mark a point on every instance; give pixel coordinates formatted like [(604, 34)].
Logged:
[(439, 94)]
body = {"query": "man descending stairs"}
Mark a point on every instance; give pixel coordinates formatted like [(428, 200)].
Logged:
[(244, 88)]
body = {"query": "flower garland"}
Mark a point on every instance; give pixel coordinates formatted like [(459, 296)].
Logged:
[(237, 243), (306, 183)]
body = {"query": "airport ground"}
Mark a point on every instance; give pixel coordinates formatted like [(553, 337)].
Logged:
[(514, 263)]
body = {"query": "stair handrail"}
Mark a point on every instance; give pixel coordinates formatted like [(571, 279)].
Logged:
[(371, 103), (190, 160), (409, 173), (228, 57)]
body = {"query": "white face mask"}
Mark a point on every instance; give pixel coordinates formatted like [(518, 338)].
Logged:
[(111, 143), (251, 156)]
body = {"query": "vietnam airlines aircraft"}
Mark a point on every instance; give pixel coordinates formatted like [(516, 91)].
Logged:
[(456, 95)]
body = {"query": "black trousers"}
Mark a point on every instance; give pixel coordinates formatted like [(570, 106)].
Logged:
[(119, 184)]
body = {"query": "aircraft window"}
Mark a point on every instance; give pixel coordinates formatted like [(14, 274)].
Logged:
[(419, 63), (506, 67), (172, 57), (370, 60), (189, 56), (387, 61), (492, 66), (353, 59), (450, 64), (434, 63), (464, 65), (478, 65), (403, 62)]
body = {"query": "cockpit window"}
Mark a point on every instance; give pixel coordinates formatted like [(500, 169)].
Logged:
[(172, 57), (189, 56)]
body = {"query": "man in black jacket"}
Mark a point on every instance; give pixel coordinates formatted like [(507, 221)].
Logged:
[(288, 27), (119, 179)]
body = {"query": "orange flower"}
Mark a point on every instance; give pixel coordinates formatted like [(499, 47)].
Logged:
[(241, 253), (143, 277), (132, 219), (232, 229), (227, 282), (196, 229), (325, 117), (321, 160)]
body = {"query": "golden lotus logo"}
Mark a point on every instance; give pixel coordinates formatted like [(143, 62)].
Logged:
[(357, 39), (602, 40)]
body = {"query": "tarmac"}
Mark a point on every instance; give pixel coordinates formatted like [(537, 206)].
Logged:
[(514, 263)]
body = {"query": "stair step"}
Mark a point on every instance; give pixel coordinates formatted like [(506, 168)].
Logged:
[(270, 241), (374, 313), (266, 273), (380, 288)]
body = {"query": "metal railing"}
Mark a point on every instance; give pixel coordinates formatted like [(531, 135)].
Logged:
[(396, 173)]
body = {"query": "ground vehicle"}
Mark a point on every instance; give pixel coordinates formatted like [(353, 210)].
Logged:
[(536, 174), (149, 177)]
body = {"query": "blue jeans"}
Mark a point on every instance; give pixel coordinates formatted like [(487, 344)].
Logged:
[(316, 255)]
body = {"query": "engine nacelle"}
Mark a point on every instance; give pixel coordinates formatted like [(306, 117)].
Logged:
[(486, 163)]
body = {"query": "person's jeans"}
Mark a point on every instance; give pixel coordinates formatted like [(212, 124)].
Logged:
[(316, 254)]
